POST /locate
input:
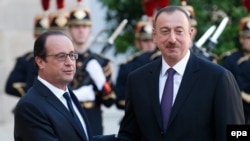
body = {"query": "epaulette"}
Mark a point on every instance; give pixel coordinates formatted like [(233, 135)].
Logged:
[(228, 53), (155, 55), (242, 59), (29, 56), (131, 58)]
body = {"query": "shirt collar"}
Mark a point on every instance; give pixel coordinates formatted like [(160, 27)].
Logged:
[(179, 67), (56, 91)]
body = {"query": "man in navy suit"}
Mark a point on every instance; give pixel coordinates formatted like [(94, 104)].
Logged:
[(205, 96), (43, 114)]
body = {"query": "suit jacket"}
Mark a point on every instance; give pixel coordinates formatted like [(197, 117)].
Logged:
[(41, 116), (208, 99)]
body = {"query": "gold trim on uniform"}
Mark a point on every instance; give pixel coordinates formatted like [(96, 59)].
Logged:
[(243, 59), (245, 96), (121, 102), (88, 104), (19, 87), (109, 96), (107, 70), (155, 55)]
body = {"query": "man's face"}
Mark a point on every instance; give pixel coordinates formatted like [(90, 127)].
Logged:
[(173, 36), (54, 70), (146, 45), (80, 34), (245, 42)]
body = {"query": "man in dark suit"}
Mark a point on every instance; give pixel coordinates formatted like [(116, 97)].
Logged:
[(204, 99), (44, 113)]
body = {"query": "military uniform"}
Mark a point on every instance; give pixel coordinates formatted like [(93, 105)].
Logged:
[(24, 72), (238, 63), (86, 84), (143, 31), (125, 69), (22, 76)]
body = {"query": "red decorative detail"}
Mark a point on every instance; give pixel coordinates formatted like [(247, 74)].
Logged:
[(151, 5), (79, 1), (107, 88), (45, 4), (247, 5), (60, 4)]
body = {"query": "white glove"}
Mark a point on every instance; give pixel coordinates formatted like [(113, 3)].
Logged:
[(96, 73), (85, 93)]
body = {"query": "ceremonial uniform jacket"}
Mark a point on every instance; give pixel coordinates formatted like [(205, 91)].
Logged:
[(125, 69), (22, 76), (237, 64)]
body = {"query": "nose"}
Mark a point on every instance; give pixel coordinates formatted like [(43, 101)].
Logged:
[(69, 60), (172, 37)]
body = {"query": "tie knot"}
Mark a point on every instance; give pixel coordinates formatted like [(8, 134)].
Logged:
[(66, 96), (170, 71)]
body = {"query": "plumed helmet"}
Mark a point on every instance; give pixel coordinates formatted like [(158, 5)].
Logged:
[(41, 21), (58, 21), (79, 16), (190, 11), (41, 25), (144, 30), (245, 27)]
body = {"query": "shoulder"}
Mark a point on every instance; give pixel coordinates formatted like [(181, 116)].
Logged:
[(26, 57), (235, 53), (132, 58), (148, 68), (204, 66)]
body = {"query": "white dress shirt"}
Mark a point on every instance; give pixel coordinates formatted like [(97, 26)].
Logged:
[(179, 68)]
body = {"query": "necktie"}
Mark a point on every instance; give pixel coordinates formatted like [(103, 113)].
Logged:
[(167, 98), (72, 111)]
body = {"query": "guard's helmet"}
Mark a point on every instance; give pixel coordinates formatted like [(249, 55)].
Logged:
[(144, 30), (41, 25), (79, 16), (245, 27), (58, 21), (191, 13)]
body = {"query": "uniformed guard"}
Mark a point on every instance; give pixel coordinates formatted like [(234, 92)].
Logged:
[(147, 52), (201, 52), (237, 61), (24, 72), (92, 83)]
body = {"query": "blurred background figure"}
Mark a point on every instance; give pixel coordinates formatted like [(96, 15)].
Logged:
[(24, 72), (237, 61), (199, 51), (92, 83), (147, 51), (191, 13)]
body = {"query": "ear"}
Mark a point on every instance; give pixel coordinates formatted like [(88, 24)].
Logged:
[(40, 62), (154, 35), (192, 32)]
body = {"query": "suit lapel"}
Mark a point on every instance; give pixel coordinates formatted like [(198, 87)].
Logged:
[(154, 90), (57, 104), (189, 78)]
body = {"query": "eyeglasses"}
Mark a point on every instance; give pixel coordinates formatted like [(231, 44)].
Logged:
[(63, 56)]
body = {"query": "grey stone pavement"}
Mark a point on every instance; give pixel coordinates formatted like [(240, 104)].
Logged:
[(16, 38)]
